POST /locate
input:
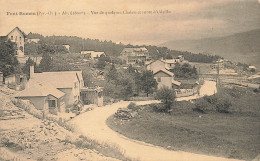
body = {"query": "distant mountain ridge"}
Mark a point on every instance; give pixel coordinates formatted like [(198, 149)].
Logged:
[(240, 47)]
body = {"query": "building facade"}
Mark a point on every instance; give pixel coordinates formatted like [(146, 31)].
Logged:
[(134, 55), (18, 37)]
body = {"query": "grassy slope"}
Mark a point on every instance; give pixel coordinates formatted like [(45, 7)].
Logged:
[(234, 135)]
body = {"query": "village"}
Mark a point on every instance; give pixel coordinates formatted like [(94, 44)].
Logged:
[(58, 95)]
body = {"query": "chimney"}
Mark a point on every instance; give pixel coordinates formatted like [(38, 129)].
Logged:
[(31, 71)]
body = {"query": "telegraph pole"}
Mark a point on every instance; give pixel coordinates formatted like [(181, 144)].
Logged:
[(217, 76)]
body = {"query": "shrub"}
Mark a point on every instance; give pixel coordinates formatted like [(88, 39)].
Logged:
[(167, 96), (211, 99), (201, 105), (131, 106), (159, 107), (223, 105)]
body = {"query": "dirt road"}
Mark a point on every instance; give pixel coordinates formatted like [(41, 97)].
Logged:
[(93, 125), (208, 88)]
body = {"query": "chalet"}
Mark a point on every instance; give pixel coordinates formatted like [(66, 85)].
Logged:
[(68, 82), (17, 36), (92, 95), (164, 78), (164, 64), (44, 97), (92, 54), (134, 55), (33, 40), (52, 92), (66, 46), (155, 65)]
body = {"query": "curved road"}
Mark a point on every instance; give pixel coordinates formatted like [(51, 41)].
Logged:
[(92, 124)]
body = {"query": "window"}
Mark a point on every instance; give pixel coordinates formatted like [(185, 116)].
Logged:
[(12, 37), (52, 103), (20, 38), (159, 79), (76, 85)]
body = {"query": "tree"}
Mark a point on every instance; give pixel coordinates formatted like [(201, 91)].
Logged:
[(8, 60), (46, 63), (101, 63), (44, 48), (112, 75), (26, 68), (167, 96), (147, 82)]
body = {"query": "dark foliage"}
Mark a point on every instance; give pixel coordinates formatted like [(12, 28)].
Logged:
[(167, 96), (8, 60)]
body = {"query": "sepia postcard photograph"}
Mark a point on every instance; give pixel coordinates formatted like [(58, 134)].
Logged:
[(129, 80)]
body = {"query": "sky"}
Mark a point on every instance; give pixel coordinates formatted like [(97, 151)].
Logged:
[(181, 20)]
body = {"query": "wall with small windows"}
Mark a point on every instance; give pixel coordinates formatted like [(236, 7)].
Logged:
[(17, 37), (163, 80)]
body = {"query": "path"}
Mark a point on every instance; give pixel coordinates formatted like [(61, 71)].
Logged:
[(208, 88), (92, 124)]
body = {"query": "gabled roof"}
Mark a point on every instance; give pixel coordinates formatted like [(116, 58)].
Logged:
[(97, 54), (155, 61), (64, 79), (42, 89), (130, 50), (176, 82), (18, 30), (164, 71), (171, 61)]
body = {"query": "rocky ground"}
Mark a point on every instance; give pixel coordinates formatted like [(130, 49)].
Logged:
[(29, 138)]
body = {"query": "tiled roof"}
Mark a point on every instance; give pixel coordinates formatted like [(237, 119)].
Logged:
[(41, 89), (64, 79), (164, 71), (176, 82)]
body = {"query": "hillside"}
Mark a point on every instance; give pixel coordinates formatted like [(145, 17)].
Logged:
[(241, 47), (111, 49)]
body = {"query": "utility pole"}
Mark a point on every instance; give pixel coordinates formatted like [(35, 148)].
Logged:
[(217, 75)]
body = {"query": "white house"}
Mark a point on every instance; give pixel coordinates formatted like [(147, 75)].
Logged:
[(17, 36), (92, 54)]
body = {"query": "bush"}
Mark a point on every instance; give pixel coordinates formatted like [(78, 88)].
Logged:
[(223, 105), (159, 107), (201, 105), (211, 99), (167, 96), (131, 106)]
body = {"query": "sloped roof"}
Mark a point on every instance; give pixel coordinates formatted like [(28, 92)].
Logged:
[(96, 54), (134, 49), (155, 61), (64, 79), (41, 89), (18, 30), (164, 71), (171, 61), (176, 82), (80, 75)]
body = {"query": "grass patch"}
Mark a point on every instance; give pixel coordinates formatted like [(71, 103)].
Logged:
[(105, 149), (232, 135)]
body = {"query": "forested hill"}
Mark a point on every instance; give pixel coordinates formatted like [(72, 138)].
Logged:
[(240, 47), (78, 44)]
